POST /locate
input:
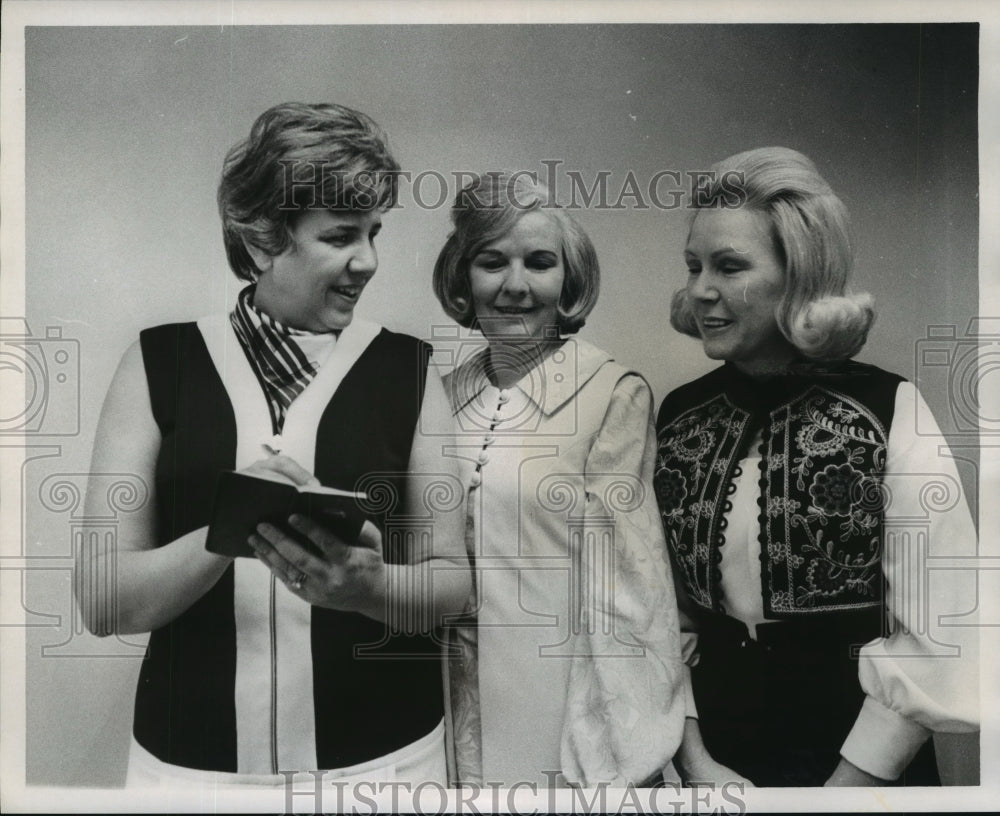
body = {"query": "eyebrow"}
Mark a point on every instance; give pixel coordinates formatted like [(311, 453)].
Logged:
[(739, 253), (532, 253), (347, 227), (488, 252)]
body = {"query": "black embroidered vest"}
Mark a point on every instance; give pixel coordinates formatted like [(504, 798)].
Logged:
[(824, 433)]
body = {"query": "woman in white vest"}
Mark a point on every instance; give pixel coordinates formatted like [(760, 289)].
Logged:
[(301, 659), (567, 668)]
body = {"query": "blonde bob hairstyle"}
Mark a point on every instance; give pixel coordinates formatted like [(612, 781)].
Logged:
[(811, 231), (485, 210)]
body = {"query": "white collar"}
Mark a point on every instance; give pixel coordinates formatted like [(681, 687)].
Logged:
[(549, 384)]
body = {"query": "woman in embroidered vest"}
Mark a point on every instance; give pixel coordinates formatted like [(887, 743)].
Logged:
[(572, 674), (791, 484), (295, 660)]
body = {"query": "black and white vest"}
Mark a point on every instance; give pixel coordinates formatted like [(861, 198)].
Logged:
[(252, 679), (824, 432)]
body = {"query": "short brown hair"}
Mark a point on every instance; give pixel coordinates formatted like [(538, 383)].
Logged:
[(300, 157)]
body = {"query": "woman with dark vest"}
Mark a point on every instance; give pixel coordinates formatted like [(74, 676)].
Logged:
[(789, 481), (302, 659)]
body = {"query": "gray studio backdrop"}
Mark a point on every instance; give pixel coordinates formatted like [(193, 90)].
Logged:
[(127, 127)]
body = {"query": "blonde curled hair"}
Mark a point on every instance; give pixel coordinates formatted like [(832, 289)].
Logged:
[(811, 230)]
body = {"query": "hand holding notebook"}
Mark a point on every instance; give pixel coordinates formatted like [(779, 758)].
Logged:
[(244, 500)]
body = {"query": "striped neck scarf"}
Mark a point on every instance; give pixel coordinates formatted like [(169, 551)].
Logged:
[(276, 354)]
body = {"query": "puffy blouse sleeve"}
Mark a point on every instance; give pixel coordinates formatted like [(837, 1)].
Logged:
[(923, 677), (625, 706)]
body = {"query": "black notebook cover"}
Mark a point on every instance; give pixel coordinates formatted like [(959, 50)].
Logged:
[(243, 501)]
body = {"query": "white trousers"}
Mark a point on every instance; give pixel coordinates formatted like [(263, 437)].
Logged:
[(420, 761)]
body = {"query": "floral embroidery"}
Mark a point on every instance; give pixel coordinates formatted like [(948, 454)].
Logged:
[(705, 509), (813, 440), (835, 561), (671, 490), (838, 411), (833, 488), (824, 579), (697, 452), (777, 550), (781, 598), (824, 453), (780, 505), (777, 461)]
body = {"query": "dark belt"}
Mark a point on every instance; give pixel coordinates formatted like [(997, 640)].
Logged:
[(824, 633)]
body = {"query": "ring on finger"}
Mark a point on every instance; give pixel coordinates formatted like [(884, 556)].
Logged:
[(298, 581)]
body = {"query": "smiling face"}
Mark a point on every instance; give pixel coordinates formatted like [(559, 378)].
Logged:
[(316, 282), (736, 281), (517, 280)]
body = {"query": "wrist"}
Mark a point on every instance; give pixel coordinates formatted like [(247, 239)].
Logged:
[(373, 598), (847, 774), (691, 754)]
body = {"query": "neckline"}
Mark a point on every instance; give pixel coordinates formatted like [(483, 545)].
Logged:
[(539, 362)]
